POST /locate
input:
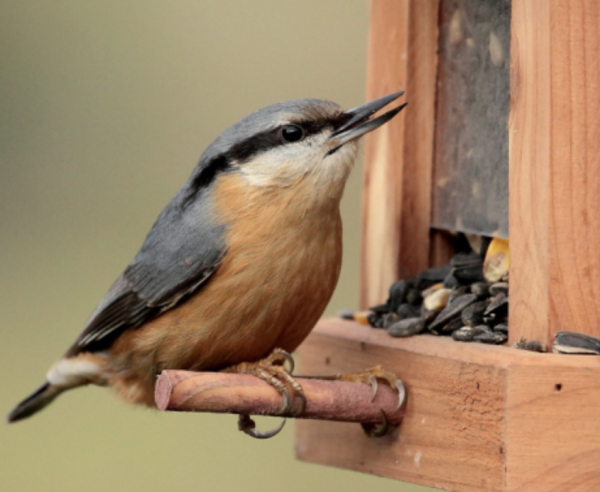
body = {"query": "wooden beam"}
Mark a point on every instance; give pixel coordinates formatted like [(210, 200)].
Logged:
[(398, 157), (478, 417), (554, 133)]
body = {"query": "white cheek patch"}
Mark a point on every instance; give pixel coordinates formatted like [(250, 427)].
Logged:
[(284, 166), (343, 159), (72, 372), (274, 168)]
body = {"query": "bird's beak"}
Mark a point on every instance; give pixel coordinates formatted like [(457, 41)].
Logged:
[(359, 122)]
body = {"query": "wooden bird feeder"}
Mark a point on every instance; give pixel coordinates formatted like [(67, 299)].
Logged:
[(502, 131)]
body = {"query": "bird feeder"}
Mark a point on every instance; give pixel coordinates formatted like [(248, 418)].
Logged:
[(501, 133)]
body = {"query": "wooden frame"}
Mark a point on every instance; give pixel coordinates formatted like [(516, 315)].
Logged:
[(478, 418), (483, 418), (399, 157), (554, 163)]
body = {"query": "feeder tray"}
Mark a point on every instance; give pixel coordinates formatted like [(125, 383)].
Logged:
[(480, 418)]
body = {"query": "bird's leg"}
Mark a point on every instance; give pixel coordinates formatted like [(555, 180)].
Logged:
[(371, 377), (273, 370)]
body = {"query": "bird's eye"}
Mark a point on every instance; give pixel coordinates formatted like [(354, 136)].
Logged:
[(291, 133)]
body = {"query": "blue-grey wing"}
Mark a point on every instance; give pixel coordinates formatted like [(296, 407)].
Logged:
[(180, 253)]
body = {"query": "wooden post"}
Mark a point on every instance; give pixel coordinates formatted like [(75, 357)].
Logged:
[(399, 157), (554, 134)]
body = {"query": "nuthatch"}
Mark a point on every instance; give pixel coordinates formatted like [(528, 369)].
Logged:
[(243, 260)]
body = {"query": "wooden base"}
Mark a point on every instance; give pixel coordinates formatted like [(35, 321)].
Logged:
[(479, 418)]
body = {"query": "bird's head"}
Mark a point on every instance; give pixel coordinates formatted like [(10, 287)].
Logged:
[(281, 144)]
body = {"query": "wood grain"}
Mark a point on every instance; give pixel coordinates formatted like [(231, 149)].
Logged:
[(398, 157), (478, 417), (554, 133), (553, 435)]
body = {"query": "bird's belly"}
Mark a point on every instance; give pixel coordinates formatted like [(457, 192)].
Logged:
[(251, 307)]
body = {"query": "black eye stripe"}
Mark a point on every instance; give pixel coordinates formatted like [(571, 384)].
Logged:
[(262, 142), (245, 150)]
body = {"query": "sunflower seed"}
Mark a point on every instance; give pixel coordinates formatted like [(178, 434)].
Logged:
[(499, 287), (453, 310), (570, 342), (408, 311), (464, 334), (406, 327), (493, 337), (473, 315)]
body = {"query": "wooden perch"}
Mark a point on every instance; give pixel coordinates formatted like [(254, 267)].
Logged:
[(186, 391)]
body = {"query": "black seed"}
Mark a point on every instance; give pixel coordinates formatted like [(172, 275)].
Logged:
[(535, 346), (498, 307), (398, 291), (431, 276), (380, 309), (450, 282), (375, 320), (493, 320), (428, 316), (408, 311), (485, 242), (407, 327), (469, 273), (479, 329), (453, 310), (452, 326), (414, 297), (492, 337), (499, 287), (501, 327), (349, 315), (390, 319), (473, 315), (457, 292), (464, 334), (570, 342), (480, 289), (466, 259)]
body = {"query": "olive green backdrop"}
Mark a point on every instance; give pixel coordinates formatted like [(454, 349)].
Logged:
[(105, 108)]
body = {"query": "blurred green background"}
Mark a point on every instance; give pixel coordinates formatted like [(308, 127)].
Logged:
[(105, 108)]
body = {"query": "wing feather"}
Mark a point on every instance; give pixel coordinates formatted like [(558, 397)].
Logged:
[(180, 253)]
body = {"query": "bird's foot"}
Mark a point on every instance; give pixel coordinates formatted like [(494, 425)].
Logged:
[(372, 377), (273, 370)]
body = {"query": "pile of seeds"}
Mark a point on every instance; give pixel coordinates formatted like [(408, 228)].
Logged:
[(466, 299)]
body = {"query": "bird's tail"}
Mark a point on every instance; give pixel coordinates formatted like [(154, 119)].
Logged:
[(35, 402)]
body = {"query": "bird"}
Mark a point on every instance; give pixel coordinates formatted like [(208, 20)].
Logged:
[(239, 265)]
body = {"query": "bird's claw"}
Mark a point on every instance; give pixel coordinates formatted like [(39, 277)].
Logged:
[(273, 371), (374, 386), (248, 426), (372, 376), (377, 430)]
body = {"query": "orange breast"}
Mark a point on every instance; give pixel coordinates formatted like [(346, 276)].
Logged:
[(282, 266)]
